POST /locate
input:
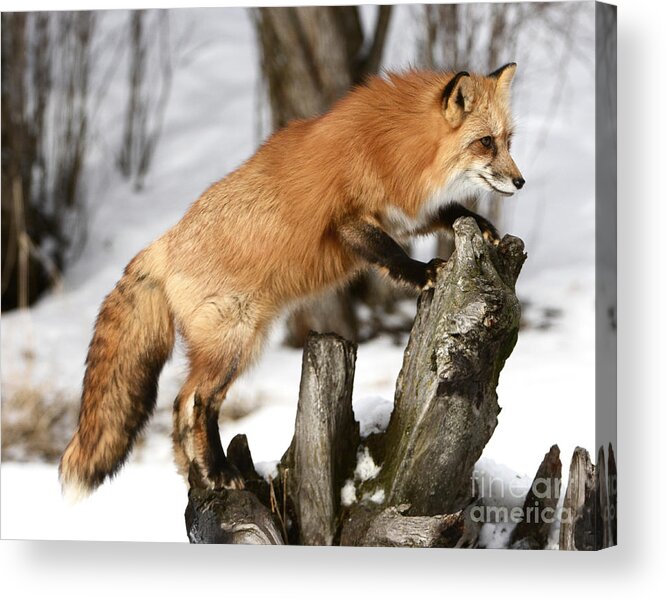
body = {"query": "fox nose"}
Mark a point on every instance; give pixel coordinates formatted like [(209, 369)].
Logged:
[(518, 182)]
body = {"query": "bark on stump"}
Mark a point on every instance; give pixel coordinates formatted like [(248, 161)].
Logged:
[(540, 506), (612, 494), (445, 412), (446, 404), (326, 437), (587, 521)]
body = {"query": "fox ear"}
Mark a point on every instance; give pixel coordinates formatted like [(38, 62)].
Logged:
[(458, 98), (504, 76)]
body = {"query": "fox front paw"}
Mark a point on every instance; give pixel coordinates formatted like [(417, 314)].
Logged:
[(489, 231), (431, 272)]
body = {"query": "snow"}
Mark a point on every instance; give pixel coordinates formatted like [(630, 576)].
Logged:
[(372, 413), (377, 497), (267, 469), (546, 389), (146, 503), (348, 493), (365, 470), (365, 466), (501, 490)]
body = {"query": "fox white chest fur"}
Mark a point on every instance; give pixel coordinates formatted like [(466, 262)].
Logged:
[(460, 187)]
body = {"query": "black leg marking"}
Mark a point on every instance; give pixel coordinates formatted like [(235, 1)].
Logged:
[(451, 212), (378, 248), (216, 460)]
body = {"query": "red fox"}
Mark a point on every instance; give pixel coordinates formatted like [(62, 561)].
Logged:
[(320, 200)]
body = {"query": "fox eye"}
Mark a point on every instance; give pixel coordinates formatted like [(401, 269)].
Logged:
[(487, 141)]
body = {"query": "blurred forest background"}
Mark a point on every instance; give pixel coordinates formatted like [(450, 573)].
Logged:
[(113, 122)]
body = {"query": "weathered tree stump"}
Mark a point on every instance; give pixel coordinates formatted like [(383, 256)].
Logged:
[(612, 494), (445, 404), (229, 517), (585, 517), (445, 412), (326, 437), (391, 527), (602, 520), (540, 506)]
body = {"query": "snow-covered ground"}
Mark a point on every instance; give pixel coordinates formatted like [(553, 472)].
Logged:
[(210, 128)]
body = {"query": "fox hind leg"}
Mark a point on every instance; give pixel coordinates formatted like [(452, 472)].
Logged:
[(223, 335), (198, 450), (209, 457), (182, 436)]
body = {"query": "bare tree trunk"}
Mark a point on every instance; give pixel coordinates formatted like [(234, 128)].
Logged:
[(46, 66), (49, 95), (134, 111), (446, 410), (310, 57), (150, 76)]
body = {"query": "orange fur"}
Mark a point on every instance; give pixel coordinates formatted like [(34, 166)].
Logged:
[(266, 235)]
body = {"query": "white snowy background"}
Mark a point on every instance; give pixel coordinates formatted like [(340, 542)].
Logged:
[(546, 389)]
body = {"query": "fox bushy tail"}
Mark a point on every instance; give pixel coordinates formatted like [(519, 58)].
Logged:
[(134, 336)]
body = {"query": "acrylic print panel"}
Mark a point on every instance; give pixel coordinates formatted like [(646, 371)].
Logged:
[(385, 427)]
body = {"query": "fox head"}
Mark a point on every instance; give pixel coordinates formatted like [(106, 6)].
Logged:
[(414, 140), (477, 112)]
